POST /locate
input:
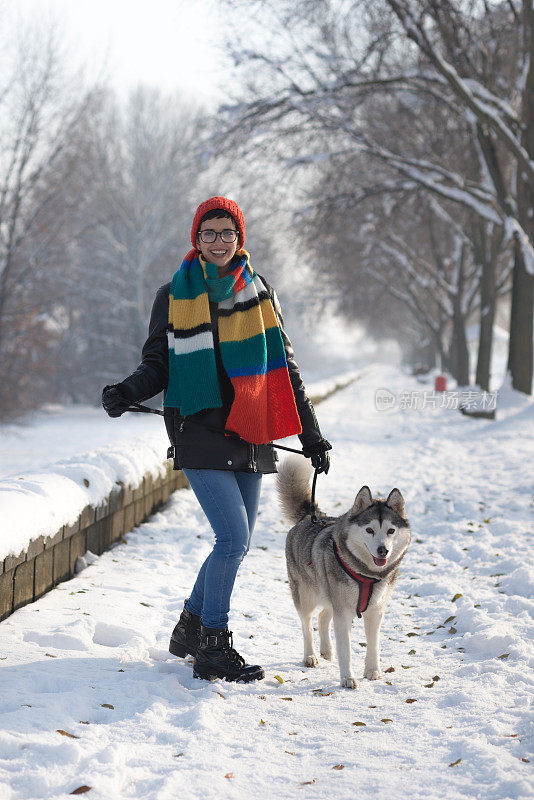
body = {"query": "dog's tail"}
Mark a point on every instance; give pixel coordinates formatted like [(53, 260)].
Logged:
[(294, 492)]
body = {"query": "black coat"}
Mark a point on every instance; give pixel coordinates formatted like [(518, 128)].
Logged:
[(199, 440)]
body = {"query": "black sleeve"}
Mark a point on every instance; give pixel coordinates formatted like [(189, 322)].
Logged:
[(311, 432), (152, 375)]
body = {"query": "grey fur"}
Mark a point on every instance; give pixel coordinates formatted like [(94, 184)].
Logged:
[(316, 578)]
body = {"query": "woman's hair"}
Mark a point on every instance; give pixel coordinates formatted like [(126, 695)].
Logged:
[(217, 213)]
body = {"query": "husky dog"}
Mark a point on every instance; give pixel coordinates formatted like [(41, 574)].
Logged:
[(346, 564)]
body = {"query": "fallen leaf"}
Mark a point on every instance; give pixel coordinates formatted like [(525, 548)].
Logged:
[(229, 775), (407, 667), (388, 683), (452, 629), (222, 695), (435, 678), (411, 652), (26, 705), (359, 723), (307, 783), (278, 678), (509, 735), (411, 700), (65, 733), (386, 720), (83, 722), (289, 752), (373, 706), (120, 670), (449, 619), (293, 733), (390, 669), (148, 605), (504, 656), (526, 760), (81, 790), (429, 685), (487, 520), (339, 766), (455, 763), (107, 705), (262, 722), (50, 654), (412, 634), (456, 597), (177, 755), (262, 697), (286, 698)]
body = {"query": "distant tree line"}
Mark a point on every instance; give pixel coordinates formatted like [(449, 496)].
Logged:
[(400, 134), (95, 208), (410, 127)]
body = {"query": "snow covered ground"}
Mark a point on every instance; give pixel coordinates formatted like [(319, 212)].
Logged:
[(91, 697)]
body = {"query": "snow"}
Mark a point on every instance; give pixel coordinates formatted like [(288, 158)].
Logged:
[(37, 503), (90, 658), (513, 228)]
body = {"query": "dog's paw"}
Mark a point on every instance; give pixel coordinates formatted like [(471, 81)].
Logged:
[(371, 673), (350, 682), (327, 654), (311, 661)]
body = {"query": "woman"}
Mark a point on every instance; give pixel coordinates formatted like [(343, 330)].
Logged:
[(217, 346)]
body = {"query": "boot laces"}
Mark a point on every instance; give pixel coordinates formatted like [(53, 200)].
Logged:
[(233, 655)]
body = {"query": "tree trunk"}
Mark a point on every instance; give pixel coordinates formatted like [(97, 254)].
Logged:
[(459, 354), (487, 316), (521, 318)]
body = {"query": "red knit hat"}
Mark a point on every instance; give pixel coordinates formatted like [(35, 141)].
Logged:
[(225, 205)]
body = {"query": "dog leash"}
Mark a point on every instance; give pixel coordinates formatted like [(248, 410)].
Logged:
[(146, 410)]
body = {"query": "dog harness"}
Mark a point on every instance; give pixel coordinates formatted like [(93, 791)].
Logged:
[(365, 584)]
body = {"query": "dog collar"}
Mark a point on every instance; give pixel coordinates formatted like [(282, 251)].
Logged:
[(365, 584)]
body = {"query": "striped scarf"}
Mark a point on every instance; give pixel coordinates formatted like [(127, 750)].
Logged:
[(251, 346)]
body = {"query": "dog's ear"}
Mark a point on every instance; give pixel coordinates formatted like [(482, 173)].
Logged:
[(396, 502), (363, 500)]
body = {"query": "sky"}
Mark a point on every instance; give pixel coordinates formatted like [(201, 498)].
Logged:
[(172, 44)]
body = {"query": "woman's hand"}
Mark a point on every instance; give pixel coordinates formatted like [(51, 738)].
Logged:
[(114, 402), (319, 455)]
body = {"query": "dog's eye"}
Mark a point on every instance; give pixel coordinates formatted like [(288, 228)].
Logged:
[(391, 531), (370, 530)]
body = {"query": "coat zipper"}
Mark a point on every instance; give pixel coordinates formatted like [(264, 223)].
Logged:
[(252, 462)]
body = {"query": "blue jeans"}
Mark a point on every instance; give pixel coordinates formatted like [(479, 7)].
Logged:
[(230, 502)]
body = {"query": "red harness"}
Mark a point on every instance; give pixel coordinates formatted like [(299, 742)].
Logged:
[(365, 584)]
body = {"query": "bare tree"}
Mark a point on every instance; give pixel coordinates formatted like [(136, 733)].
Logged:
[(41, 107), (465, 61), (144, 165)]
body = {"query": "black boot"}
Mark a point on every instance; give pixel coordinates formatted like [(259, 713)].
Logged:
[(216, 658), (186, 634)]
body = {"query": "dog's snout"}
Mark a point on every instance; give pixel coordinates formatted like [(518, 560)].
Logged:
[(382, 551)]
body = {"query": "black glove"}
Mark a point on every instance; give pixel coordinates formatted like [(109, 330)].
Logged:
[(318, 454), (114, 402)]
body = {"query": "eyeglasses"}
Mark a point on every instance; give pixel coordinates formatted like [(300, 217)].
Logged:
[(208, 236)]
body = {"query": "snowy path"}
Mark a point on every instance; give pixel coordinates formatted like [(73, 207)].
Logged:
[(90, 659)]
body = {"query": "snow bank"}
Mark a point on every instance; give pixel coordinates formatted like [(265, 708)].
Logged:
[(37, 503)]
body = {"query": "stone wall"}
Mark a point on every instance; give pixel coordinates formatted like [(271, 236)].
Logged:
[(51, 559)]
